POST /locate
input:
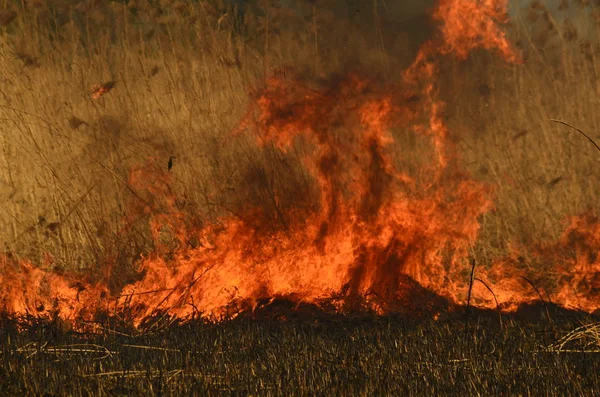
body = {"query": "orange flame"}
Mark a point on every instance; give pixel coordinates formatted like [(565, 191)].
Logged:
[(467, 25), (27, 289), (374, 232)]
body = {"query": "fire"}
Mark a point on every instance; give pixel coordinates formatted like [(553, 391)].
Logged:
[(468, 25), (578, 272), (27, 289), (374, 233), (372, 222)]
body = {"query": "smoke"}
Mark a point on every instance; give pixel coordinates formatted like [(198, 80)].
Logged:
[(384, 19)]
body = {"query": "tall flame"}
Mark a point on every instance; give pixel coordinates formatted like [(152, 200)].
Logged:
[(373, 228)]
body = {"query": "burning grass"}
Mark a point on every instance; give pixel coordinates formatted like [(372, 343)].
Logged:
[(326, 192)]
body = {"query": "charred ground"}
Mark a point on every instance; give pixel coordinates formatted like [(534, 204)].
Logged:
[(306, 354)]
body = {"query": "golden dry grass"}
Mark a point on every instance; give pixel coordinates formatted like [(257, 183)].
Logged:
[(181, 76)]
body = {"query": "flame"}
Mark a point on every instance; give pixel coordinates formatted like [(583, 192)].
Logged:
[(373, 226), (577, 262), (375, 235), (27, 289), (468, 25)]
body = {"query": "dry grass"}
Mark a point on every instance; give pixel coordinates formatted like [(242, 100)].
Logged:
[(178, 78), (544, 171), (341, 356)]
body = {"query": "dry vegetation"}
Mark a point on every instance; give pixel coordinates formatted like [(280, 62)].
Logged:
[(544, 171), (337, 355), (178, 76), (182, 72)]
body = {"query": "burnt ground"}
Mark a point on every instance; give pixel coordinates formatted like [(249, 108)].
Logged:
[(285, 350)]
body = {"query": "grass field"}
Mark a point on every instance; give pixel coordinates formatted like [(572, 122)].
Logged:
[(182, 87), (360, 356), (180, 77)]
